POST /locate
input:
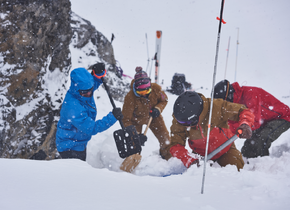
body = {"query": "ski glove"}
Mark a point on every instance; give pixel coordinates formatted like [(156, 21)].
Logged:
[(142, 138), (246, 117), (98, 70), (154, 113), (118, 113), (181, 153), (246, 131)]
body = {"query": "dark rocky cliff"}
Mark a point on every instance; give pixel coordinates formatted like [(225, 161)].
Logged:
[(35, 61)]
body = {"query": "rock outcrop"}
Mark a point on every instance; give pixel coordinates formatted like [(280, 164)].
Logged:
[(35, 61)]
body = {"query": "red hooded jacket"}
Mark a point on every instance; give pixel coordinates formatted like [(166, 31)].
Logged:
[(264, 105)]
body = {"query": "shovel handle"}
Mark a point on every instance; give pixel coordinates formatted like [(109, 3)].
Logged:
[(111, 99), (221, 147), (150, 120)]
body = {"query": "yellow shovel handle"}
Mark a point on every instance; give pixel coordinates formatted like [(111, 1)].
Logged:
[(150, 119)]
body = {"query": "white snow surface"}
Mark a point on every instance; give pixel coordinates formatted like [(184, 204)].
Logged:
[(189, 43)]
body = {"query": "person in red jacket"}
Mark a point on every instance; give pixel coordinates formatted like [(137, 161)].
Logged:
[(272, 117)]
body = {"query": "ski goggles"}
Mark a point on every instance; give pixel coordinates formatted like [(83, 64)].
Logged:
[(86, 93), (144, 92), (191, 122)]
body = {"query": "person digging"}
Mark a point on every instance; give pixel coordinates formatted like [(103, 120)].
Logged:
[(145, 100)]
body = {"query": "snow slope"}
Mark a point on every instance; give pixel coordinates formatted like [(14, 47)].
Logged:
[(188, 46)]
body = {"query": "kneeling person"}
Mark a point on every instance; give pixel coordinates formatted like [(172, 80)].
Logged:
[(190, 121)]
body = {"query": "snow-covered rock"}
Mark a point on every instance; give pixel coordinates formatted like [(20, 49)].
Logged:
[(36, 43)]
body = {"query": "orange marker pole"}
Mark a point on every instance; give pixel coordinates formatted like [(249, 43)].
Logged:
[(157, 60)]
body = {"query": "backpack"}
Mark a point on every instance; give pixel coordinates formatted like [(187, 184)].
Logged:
[(178, 84), (119, 71)]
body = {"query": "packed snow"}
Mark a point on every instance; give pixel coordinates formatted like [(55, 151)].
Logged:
[(188, 46)]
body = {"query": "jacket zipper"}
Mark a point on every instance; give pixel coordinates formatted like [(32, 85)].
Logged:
[(272, 111), (90, 106)]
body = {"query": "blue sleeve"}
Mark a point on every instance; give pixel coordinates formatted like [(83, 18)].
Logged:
[(85, 124), (97, 82), (104, 124)]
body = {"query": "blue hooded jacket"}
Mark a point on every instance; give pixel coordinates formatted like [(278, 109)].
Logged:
[(77, 115)]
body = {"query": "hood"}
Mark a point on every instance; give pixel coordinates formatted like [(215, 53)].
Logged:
[(81, 79), (132, 83), (132, 86), (238, 92)]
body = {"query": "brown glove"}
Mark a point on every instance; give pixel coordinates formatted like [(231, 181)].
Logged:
[(246, 131)]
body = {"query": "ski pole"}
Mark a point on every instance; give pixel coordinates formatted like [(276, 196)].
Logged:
[(227, 57), (147, 54), (212, 91), (237, 55), (151, 66)]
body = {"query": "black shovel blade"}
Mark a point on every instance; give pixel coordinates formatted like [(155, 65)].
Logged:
[(127, 141)]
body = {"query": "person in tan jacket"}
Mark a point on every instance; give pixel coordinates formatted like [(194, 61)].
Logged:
[(146, 99), (190, 121)]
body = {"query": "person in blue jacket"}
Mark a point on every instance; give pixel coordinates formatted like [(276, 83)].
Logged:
[(78, 112)]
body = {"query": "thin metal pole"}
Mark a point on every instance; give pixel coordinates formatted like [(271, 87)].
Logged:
[(237, 55), (151, 67), (147, 54), (227, 57), (211, 102)]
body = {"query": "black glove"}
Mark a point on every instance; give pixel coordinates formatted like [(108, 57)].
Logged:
[(118, 113), (246, 131), (142, 138), (98, 68), (255, 147), (154, 113)]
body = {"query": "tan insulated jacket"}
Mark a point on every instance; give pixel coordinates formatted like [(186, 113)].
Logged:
[(136, 109), (220, 132)]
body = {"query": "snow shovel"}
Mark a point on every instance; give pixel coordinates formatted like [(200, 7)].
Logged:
[(127, 139), (224, 145), (131, 162)]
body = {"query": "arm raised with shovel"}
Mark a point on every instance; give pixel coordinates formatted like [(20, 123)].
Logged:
[(127, 139), (99, 71)]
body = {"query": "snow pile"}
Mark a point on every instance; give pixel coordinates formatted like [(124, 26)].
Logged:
[(99, 184)]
